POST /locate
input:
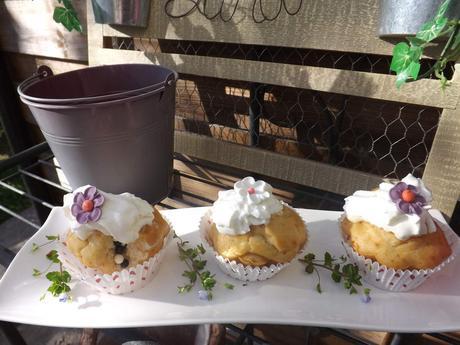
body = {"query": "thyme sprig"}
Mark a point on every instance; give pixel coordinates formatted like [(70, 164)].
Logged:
[(60, 279), (193, 259), (340, 271)]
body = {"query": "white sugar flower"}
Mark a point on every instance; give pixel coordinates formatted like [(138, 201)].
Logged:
[(252, 190)]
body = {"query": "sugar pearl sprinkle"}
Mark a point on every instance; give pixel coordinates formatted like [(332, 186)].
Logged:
[(118, 259)]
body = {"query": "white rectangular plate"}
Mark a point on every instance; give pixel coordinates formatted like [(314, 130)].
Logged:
[(288, 298)]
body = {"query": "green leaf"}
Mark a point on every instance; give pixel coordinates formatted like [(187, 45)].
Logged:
[(229, 286), (309, 257), (401, 78), (53, 256), (401, 57), (318, 288), (185, 288), (456, 42), (442, 9), (199, 265), (415, 42), (201, 248), (36, 272), (353, 290), (66, 277), (431, 29), (366, 291), (53, 276), (68, 18), (336, 276), (52, 238), (309, 268), (327, 259), (35, 247)]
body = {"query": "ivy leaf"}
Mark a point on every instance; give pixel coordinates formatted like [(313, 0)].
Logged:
[(415, 42), (401, 78), (401, 57), (442, 9), (456, 43), (68, 18), (431, 29)]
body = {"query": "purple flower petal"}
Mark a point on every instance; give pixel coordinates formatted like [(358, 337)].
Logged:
[(412, 188), (365, 298), (90, 192), (420, 200), (203, 295), (83, 217), (403, 206), (78, 198), (75, 209), (417, 209), (395, 192), (98, 200), (95, 214)]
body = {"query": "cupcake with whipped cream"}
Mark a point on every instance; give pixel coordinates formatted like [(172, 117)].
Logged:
[(392, 236), (253, 234), (114, 242)]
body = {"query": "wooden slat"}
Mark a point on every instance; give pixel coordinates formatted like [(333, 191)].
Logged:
[(309, 173), (22, 66), (378, 86), (28, 27), (349, 26), (442, 172)]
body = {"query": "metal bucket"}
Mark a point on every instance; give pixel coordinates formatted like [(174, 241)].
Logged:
[(118, 144), (406, 17), (121, 12)]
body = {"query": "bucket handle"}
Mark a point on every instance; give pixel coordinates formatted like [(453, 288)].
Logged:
[(43, 71), (169, 81)]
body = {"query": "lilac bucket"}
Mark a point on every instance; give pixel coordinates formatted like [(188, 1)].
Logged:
[(109, 126)]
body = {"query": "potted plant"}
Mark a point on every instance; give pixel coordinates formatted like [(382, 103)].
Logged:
[(407, 55), (397, 16)]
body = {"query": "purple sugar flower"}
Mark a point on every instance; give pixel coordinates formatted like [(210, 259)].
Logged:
[(407, 198), (86, 206)]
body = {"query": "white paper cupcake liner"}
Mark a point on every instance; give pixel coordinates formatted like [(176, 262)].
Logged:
[(127, 280), (235, 269), (400, 280)]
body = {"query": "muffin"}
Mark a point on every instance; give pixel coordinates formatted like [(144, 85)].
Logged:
[(109, 234), (249, 227), (391, 229)]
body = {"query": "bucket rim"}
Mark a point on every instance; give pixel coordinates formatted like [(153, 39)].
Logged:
[(36, 78), (94, 105)]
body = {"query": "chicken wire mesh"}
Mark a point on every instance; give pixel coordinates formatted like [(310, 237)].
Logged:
[(384, 138)]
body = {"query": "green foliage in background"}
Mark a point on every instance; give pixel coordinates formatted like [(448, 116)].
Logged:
[(407, 56), (67, 16)]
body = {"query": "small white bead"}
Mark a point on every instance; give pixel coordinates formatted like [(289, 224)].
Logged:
[(118, 259)]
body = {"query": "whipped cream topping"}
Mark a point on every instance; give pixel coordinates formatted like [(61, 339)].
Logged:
[(249, 203), (123, 216), (377, 208)]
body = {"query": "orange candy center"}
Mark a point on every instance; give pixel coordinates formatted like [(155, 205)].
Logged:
[(408, 195), (87, 205), (251, 190)]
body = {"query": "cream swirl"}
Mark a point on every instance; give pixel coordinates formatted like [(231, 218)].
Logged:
[(377, 208), (122, 216), (249, 203)]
